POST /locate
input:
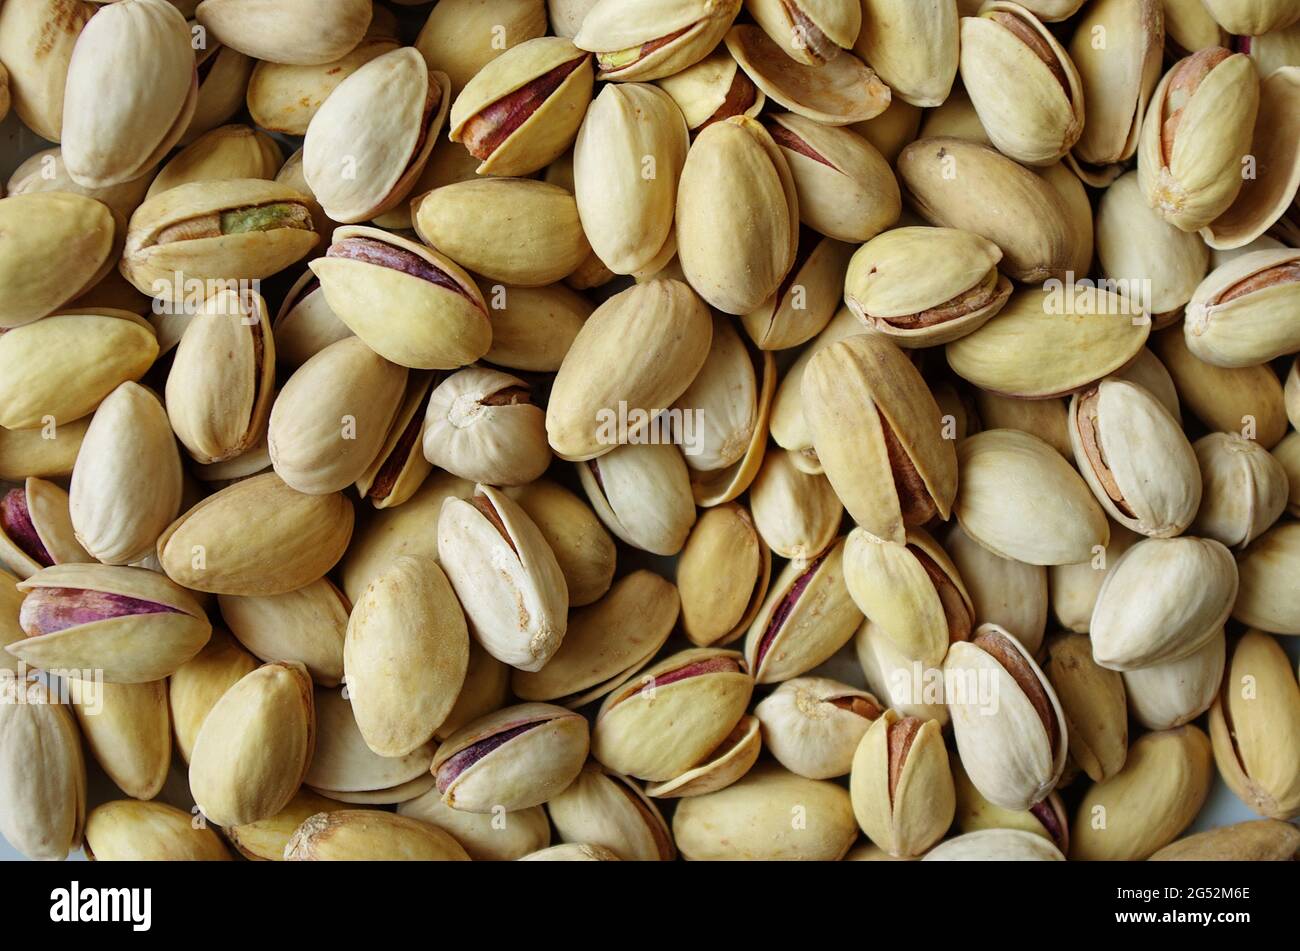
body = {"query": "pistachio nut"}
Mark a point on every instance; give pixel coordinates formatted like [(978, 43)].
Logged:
[(500, 837), (1046, 819), (812, 32), (1287, 454), (1189, 27), (730, 760), (1197, 130), (297, 32), (253, 749), (36, 529), (232, 151), (1145, 806), (133, 624), (901, 680), (925, 286), (43, 779), (46, 453), (481, 425), (713, 89), (955, 117), (36, 42), (1263, 840), (284, 98), (797, 515), (754, 818), (125, 830), (306, 626), (812, 725), (1164, 599), (572, 851), (223, 75), (659, 333), (806, 300), (736, 186), (1001, 591), (642, 493), (370, 835), (1241, 314), (1252, 17), (462, 36), (345, 768), (1010, 728), (1170, 694), (1245, 489), (196, 685), (128, 730), (1255, 727), (580, 543), (640, 40), (291, 174), (878, 433), (215, 231), (1093, 702), (674, 715), (506, 577), (913, 46), (894, 128), (608, 810), (512, 759), (11, 600), (486, 688), (722, 575), (534, 327), (132, 87), (1078, 204), (723, 399), (256, 537), (1148, 372), (995, 845), (400, 468)]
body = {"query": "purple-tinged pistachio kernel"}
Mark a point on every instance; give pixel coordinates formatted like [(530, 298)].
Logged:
[(16, 520), (47, 610), (471, 754), (782, 611)]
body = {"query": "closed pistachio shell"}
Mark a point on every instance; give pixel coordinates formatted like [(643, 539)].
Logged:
[(1268, 600), (127, 831), (223, 82), (482, 425), (128, 731), (1264, 840), (1093, 703), (1189, 26), (1148, 372), (893, 129), (462, 36), (718, 603), (713, 89), (901, 784), (361, 835), (581, 545), (1074, 587), (36, 529), (284, 98), (533, 327), (36, 42), (899, 680), (1002, 591), (43, 780), (995, 845), (200, 682), (46, 453), (724, 401), (642, 493), (1167, 695), (233, 151), (637, 40), (812, 725), (1242, 313), (572, 852), (797, 515), (298, 32), (500, 837), (306, 626), (609, 810), (1251, 17), (344, 766), (1245, 489), (912, 46), (486, 688)]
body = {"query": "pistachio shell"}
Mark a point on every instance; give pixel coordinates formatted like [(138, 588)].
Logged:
[(1241, 315), (713, 89), (370, 835), (533, 327), (486, 688), (648, 39), (912, 46), (46, 453), (233, 151), (807, 299), (1264, 840), (482, 426), (1074, 587), (36, 529), (1245, 489), (400, 468), (901, 681), (343, 764), (1267, 599), (284, 98), (894, 128), (462, 36), (812, 725), (608, 810), (306, 626), (128, 731), (1092, 701), (995, 845), (298, 32), (127, 831), (43, 779), (797, 514), (264, 841), (498, 837), (1046, 819), (642, 493), (223, 83), (195, 686), (572, 852), (718, 603), (728, 762), (1251, 17), (1008, 593), (1170, 694), (812, 32), (581, 545), (36, 42)]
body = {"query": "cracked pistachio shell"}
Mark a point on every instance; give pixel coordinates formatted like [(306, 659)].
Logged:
[(572, 852), (463, 36), (1074, 587), (223, 82), (11, 600), (1268, 598), (400, 468), (534, 327), (522, 110), (797, 514), (642, 493), (846, 190), (995, 845), (1263, 840), (811, 32), (1010, 729), (912, 590), (1135, 458), (913, 46), (606, 643), (1167, 695), (1135, 244), (752, 819), (506, 577), (139, 626), (1255, 728), (1048, 419), (53, 247), (1245, 489), (170, 241), (878, 432), (306, 626), (297, 32), (582, 547), (713, 89), (605, 809), (128, 731), (736, 191), (1093, 701), (807, 616), (254, 747), (899, 679), (658, 731), (512, 759), (1022, 82), (722, 575), (344, 768), (481, 425), (1243, 313), (901, 784), (1146, 805), (812, 725), (807, 299), (126, 486), (512, 230), (1252, 17), (1164, 599), (256, 537), (410, 304), (36, 529), (1046, 819), (367, 144), (723, 398), (640, 40), (222, 380), (36, 42), (232, 151), (626, 164), (196, 685), (369, 835), (128, 831), (331, 418), (1198, 128), (405, 656), (953, 183), (1089, 333), (926, 286), (1008, 593), (502, 837), (729, 761), (42, 772), (132, 87), (284, 98)]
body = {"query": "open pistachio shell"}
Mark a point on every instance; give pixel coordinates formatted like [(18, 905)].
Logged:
[(460, 37), (43, 779), (11, 600), (718, 486), (1267, 599), (812, 32), (1243, 313), (343, 763), (36, 529), (899, 680), (582, 547), (729, 761), (1167, 695), (797, 514), (1093, 702), (284, 98), (722, 575), (812, 725), (482, 425), (639, 40), (572, 852), (128, 831), (609, 810), (806, 300), (642, 493), (912, 46), (534, 327), (36, 42), (1045, 819), (400, 467), (306, 626), (200, 682), (298, 32), (128, 731), (713, 89), (486, 837), (1245, 489)]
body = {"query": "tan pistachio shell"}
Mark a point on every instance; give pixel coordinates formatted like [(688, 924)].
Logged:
[(481, 425), (1074, 587), (723, 397), (807, 299), (1167, 695), (307, 626), (1245, 489), (642, 493), (264, 840), (813, 725), (893, 129), (1093, 701), (232, 151), (640, 40), (200, 682), (49, 452), (36, 42), (581, 545), (11, 600), (43, 774), (715, 88), (344, 764), (797, 514), (722, 575), (301, 32), (572, 852), (712, 487), (1267, 599), (128, 831), (1048, 419), (606, 809), (1252, 17), (47, 507), (728, 762), (1263, 840), (534, 327), (1287, 453), (812, 32), (496, 837), (1241, 315), (368, 835), (1046, 819), (913, 46), (1002, 591), (400, 468), (223, 84), (486, 688), (128, 730), (460, 37), (897, 678), (995, 845), (284, 98)]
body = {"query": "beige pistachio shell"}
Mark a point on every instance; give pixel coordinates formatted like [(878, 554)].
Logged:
[(723, 398), (896, 678), (1267, 599), (1263, 840), (1008, 593), (264, 841), (1167, 695), (572, 852), (1245, 489), (11, 600), (1093, 702), (498, 837), (1046, 819), (1252, 17), (812, 32), (46, 453), (400, 468), (232, 151), (642, 493), (42, 772), (1074, 587), (36, 42), (284, 98), (581, 545), (606, 643), (128, 831), (1189, 26), (913, 46), (639, 40), (1287, 453), (797, 514), (609, 810), (223, 83), (995, 845), (808, 298), (368, 835), (256, 537), (306, 626), (1146, 805), (486, 688), (901, 784), (300, 32), (482, 426), (730, 760), (713, 89), (1164, 599), (722, 575), (36, 529), (1243, 313), (1148, 372), (812, 725), (478, 771), (533, 327), (894, 128), (195, 686), (344, 765), (460, 37), (128, 731)]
